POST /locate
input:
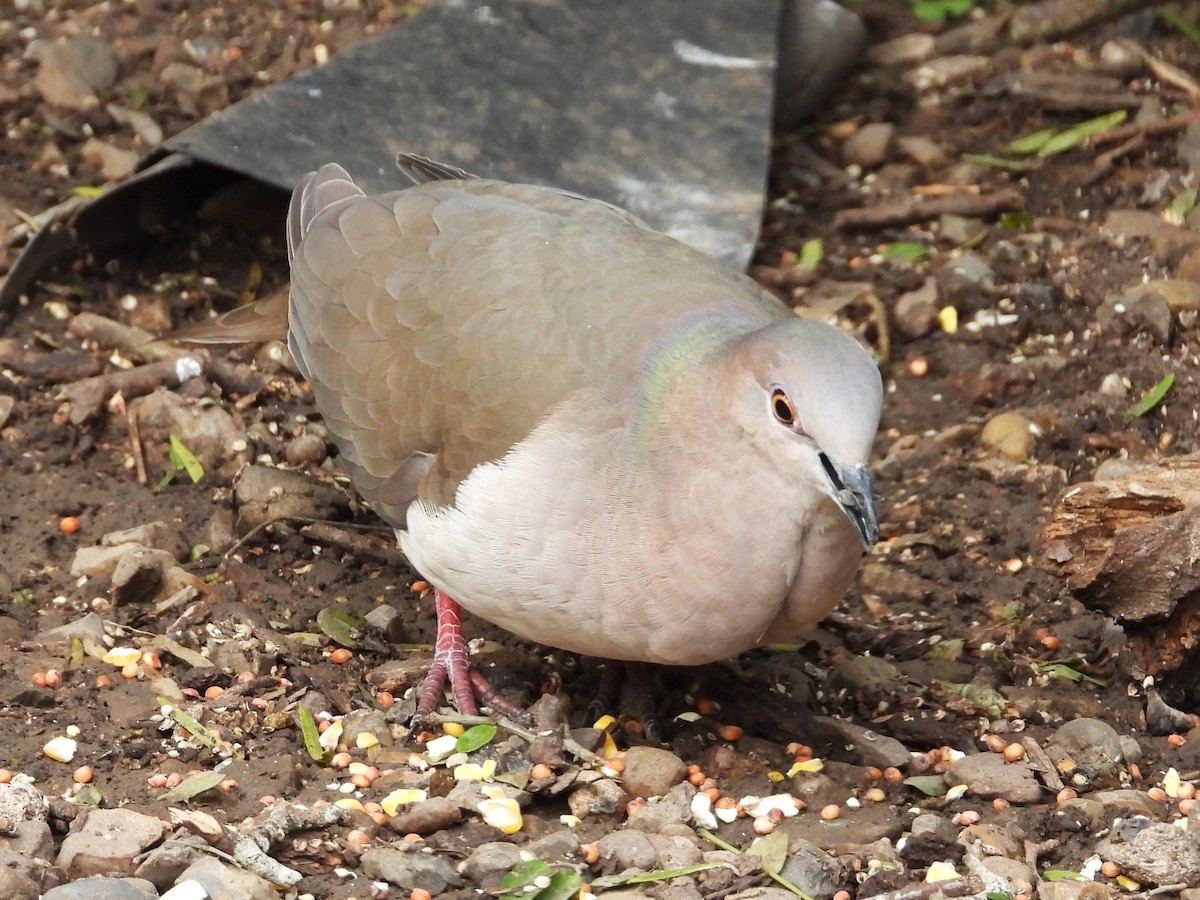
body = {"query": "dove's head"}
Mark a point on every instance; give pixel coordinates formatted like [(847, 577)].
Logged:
[(810, 399)]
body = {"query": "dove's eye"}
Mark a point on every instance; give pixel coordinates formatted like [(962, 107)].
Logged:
[(781, 405)]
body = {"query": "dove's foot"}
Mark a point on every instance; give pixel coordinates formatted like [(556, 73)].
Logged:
[(634, 674), (451, 663)]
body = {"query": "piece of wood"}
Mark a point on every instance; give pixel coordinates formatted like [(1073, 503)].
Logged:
[(1131, 547)]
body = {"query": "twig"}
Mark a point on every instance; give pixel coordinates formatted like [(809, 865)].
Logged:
[(1149, 129), (1105, 161), (924, 209), (135, 447), (952, 887), (85, 397), (1043, 762)]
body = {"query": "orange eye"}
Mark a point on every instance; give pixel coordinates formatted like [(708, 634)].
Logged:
[(782, 407)]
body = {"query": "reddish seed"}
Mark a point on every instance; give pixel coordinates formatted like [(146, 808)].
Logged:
[(39, 679), (918, 367), (385, 699), (708, 784), (1186, 806), (875, 795), (173, 780), (874, 772), (420, 587), (213, 691), (831, 812), (420, 894), (104, 681), (6, 775), (54, 678), (1000, 804), (591, 852), (634, 806), (730, 733), (705, 706), (228, 786), (1109, 869), (995, 743), (696, 778), (1157, 794), (82, 775), (892, 775), (617, 763), (541, 772), (68, 525), (340, 760), (1050, 642), (713, 794), (842, 895), (1176, 740), (633, 726), (340, 655), (1066, 794)]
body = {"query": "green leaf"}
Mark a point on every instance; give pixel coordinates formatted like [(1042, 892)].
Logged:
[(1183, 204), (772, 850), (183, 459), (1032, 143), (190, 723), (312, 737), (998, 895), (557, 883), (929, 785), (906, 251), (1077, 134), (193, 786), (1069, 669), (1015, 221), (343, 627), (475, 737), (811, 254), (997, 162), (1150, 399), (1061, 875), (949, 649)]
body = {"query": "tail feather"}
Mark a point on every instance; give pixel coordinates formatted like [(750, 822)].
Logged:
[(265, 320), (422, 169)]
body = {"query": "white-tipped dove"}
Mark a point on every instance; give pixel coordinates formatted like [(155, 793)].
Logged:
[(583, 431)]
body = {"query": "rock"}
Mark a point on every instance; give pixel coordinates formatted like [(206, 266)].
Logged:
[(997, 840), (600, 798), (1167, 241), (264, 494), (102, 889), (557, 847), (228, 882), (490, 862), (426, 817), (675, 808), (22, 802), (16, 885), (72, 70), (868, 147), (1135, 312), (811, 869), (156, 535), (865, 747), (629, 849), (867, 680), (208, 431), (965, 280), (1003, 873), (933, 824), (651, 771), (1094, 746), (409, 870), (1127, 802), (988, 775), (113, 162), (903, 50), (1010, 435), (916, 311), (38, 871), (675, 850), (1159, 854), (106, 842), (31, 838), (924, 152), (306, 450), (148, 132), (163, 865)]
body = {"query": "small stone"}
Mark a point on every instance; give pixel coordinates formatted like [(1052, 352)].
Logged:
[(72, 70), (228, 882), (306, 450), (426, 817), (628, 850), (902, 51), (1135, 312), (107, 842), (987, 775), (16, 885), (1010, 435), (113, 162), (264, 494), (947, 70), (208, 431), (410, 870), (965, 279), (868, 147), (490, 862), (600, 798), (1068, 889), (651, 771), (103, 889), (916, 311), (922, 150), (811, 869), (1159, 854), (22, 802), (1093, 745), (674, 808)]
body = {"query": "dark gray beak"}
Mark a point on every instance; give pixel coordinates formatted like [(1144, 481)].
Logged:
[(853, 491)]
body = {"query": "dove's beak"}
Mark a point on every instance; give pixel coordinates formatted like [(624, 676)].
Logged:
[(851, 488)]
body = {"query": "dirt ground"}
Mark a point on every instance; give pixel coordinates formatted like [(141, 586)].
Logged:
[(974, 630)]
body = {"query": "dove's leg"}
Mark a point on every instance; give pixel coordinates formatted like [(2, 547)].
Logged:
[(450, 663), (637, 676)]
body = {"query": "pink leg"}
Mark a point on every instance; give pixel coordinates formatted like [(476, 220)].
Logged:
[(450, 663)]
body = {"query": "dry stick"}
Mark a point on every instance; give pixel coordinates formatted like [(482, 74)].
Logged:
[(924, 209), (1150, 129), (135, 446), (1055, 19), (1106, 161), (1043, 762), (85, 397)]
